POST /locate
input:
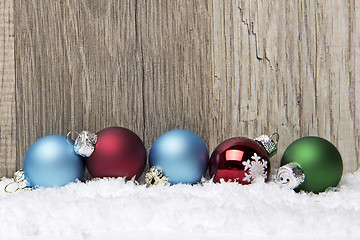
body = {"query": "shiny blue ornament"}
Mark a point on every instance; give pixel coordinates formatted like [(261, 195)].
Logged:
[(51, 161), (180, 155)]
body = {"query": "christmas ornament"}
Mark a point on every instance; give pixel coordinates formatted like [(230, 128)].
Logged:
[(243, 160), (311, 164), (112, 152), (49, 162), (177, 156)]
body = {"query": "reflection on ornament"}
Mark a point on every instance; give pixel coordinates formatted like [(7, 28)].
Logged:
[(312, 164), (290, 175), (242, 159)]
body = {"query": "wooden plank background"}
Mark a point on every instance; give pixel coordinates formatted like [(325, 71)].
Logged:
[(219, 68), (8, 139)]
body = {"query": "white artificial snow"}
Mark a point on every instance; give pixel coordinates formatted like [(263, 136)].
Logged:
[(114, 209)]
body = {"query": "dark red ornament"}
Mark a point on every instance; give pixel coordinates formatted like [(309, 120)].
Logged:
[(118, 152), (242, 160)]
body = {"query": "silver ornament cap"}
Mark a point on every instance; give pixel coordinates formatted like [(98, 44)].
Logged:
[(290, 175), (85, 143), (269, 143), (155, 177), (20, 180)]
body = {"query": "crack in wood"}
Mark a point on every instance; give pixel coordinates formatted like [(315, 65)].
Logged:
[(250, 28)]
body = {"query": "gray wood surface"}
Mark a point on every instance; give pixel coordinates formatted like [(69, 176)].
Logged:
[(175, 40), (79, 68), (289, 67), (219, 68), (7, 90)]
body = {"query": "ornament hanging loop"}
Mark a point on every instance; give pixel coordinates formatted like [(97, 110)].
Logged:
[(68, 137), (84, 143), (275, 137), (19, 180), (9, 184)]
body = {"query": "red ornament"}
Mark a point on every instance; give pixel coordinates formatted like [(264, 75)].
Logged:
[(118, 152), (241, 160)]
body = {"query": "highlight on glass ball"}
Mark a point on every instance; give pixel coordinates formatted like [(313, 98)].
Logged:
[(49, 162), (112, 152), (243, 160), (310, 164), (177, 156)]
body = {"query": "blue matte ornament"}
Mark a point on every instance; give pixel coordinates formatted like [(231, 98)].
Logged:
[(177, 156), (50, 162)]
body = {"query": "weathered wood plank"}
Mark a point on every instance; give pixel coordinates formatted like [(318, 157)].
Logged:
[(86, 65), (7, 90), (356, 72), (78, 67), (218, 68), (251, 92), (175, 40), (335, 112), (294, 63)]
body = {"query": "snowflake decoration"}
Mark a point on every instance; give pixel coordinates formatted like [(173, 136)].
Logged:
[(257, 168), (247, 178)]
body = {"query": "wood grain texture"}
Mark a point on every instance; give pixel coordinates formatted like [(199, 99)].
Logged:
[(78, 67), (88, 65), (289, 67), (175, 39), (219, 68), (7, 90)]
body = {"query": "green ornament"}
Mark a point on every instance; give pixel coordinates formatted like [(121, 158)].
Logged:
[(311, 164)]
